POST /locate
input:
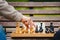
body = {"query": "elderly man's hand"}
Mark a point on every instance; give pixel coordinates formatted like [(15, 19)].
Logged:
[(27, 21)]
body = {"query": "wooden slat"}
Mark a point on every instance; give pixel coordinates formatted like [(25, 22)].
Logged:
[(8, 34), (46, 18), (40, 18), (34, 4), (3, 19), (9, 38), (13, 24), (10, 30), (39, 11)]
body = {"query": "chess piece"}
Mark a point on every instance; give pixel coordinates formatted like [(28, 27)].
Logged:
[(47, 30), (51, 28), (32, 29), (28, 28), (36, 30), (24, 29), (18, 29), (41, 29), (37, 27)]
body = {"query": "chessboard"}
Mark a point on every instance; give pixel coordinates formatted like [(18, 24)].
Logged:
[(32, 35), (25, 32)]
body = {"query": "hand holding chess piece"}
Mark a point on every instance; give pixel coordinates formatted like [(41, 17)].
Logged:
[(28, 23), (28, 29)]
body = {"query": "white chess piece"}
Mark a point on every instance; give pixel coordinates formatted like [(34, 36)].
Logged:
[(29, 29), (38, 25), (43, 26)]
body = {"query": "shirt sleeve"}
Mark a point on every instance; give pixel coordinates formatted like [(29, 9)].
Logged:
[(9, 12)]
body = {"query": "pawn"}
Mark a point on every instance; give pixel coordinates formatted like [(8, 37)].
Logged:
[(36, 30), (41, 29), (18, 30), (51, 28), (32, 29), (28, 29), (24, 29), (47, 30)]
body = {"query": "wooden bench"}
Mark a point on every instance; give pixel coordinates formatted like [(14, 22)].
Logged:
[(10, 24), (35, 4)]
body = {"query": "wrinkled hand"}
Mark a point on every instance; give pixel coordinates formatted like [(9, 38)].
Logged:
[(27, 21)]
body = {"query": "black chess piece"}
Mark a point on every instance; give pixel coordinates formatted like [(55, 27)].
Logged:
[(51, 28), (41, 29), (47, 30), (36, 30)]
